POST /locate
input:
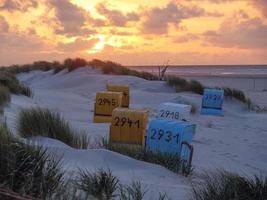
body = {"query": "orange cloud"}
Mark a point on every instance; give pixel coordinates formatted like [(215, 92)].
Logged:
[(78, 45), (261, 5), (116, 17), (134, 31), (248, 33), (13, 5), (3, 25), (158, 19), (72, 18)]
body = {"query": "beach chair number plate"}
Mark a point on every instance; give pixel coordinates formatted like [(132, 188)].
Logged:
[(212, 100), (126, 121), (104, 101), (168, 114), (167, 136)]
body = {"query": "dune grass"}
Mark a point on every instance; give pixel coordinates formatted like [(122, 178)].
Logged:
[(109, 67), (181, 84), (222, 185), (169, 161), (103, 185), (4, 97), (135, 191), (47, 123), (37, 65), (10, 81), (27, 170)]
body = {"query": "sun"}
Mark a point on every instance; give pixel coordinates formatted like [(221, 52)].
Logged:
[(99, 46)]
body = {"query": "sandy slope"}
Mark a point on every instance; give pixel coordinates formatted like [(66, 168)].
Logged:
[(237, 141)]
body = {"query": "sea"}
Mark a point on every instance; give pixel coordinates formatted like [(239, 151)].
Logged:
[(209, 70), (245, 77)]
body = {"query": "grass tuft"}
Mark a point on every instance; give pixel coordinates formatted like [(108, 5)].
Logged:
[(72, 64), (240, 95), (27, 170), (181, 84), (108, 67), (10, 81), (44, 122), (101, 184), (169, 161), (222, 185), (132, 192), (4, 97), (163, 196), (234, 93)]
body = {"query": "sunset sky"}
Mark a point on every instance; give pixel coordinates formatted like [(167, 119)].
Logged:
[(134, 32)]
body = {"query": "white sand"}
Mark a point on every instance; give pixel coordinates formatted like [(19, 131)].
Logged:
[(236, 142)]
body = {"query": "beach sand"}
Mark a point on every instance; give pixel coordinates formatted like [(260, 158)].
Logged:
[(236, 142)]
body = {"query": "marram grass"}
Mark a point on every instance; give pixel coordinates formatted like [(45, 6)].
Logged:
[(10, 81), (103, 185), (27, 170), (4, 97), (223, 185), (47, 123), (100, 184), (168, 160)]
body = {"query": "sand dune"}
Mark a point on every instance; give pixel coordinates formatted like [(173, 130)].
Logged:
[(236, 142)]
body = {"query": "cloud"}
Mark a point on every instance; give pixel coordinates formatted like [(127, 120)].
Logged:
[(261, 5), (78, 45), (22, 5), (214, 14), (248, 33), (242, 14), (158, 19), (4, 27), (186, 38), (21, 41), (211, 33), (72, 18), (115, 31), (216, 1), (116, 17), (99, 22)]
